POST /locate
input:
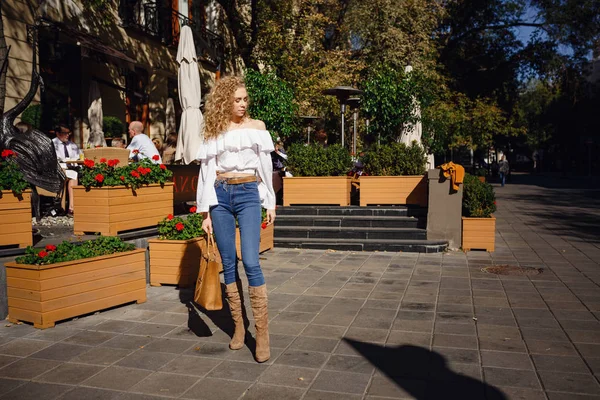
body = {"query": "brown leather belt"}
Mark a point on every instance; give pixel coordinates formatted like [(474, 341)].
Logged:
[(237, 180)]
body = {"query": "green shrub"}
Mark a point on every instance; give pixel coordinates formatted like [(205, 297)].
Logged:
[(479, 200), (315, 160), (481, 172), (394, 159), (272, 101), (71, 251), (33, 115), (11, 177), (112, 127), (179, 228)]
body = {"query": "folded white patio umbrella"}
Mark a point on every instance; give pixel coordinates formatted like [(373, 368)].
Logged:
[(95, 115), (192, 121)]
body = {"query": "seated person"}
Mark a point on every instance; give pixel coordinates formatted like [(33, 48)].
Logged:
[(67, 150), (142, 143)]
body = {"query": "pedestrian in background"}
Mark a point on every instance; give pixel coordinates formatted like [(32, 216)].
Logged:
[(504, 169)]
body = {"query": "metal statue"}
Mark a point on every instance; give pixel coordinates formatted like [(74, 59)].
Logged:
[(35, 152)]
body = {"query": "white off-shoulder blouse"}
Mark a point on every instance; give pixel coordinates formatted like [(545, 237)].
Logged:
[(243, 150)]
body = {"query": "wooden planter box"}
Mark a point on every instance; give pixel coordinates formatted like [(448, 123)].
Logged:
[(175, 262), (380, 190), (45, 294), (317, 190), (266, 240), (109, 210), (478, 233), (15, 219)]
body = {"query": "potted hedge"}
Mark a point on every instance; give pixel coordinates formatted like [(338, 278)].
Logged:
[(15, 203), (58, 282), (319, 175), (478, 223), (113, 128), (395, 175), (175, 254), (481, 174), (113, 198)]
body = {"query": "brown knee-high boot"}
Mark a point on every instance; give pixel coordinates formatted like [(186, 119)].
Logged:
[(258, 299), (234, 299)]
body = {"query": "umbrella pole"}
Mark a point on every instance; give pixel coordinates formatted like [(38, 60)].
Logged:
[(354, 139), (343, 120), (308, 128)]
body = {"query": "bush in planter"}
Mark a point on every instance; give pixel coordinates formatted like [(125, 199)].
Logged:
[(481, 172), (113, 127), (11, 177), (108, 173), (479, 200), (316, 160), (70, 251), (179, 228), (394, 159)]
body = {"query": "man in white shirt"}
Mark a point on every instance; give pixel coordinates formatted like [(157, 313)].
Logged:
[(142, 143), (66, 150)]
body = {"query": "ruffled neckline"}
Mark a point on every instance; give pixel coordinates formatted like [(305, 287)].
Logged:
[(258, 139)]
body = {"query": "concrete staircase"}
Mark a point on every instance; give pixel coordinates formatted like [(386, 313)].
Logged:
[(355, 228)]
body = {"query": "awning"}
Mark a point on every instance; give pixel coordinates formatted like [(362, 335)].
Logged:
[(93, 44)]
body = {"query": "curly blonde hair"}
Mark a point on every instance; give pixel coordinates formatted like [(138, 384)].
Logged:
[(217, 111)]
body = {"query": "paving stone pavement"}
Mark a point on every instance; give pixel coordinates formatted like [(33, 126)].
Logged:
[(348, 325)]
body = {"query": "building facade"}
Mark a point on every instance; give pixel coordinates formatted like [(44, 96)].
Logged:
[(126, 54)]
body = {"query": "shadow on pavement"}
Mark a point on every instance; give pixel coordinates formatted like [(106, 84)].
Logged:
[(424, 374)]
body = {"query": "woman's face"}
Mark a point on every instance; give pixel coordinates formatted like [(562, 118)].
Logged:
[(240, 103)]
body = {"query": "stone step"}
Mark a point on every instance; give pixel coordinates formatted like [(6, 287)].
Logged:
[(395, 211), (362, 233), (347, 221), (412, 246)]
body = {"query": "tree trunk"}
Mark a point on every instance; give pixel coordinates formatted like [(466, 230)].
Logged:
[(3, 63)]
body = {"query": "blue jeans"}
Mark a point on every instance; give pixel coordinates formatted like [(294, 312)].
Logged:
[(502, 178), (241, 201)]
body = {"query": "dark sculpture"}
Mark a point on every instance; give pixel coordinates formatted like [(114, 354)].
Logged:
[(35, 151)]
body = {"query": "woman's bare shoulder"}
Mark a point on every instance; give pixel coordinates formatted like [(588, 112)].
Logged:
[(256, 124)]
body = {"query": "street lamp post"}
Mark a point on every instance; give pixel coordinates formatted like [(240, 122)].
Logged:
[(309, 119), (354, 102)]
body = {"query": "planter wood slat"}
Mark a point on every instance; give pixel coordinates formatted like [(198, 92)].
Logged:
[(109, 210), (45, 294), (380, 190), (175, 262), (267, 237), (15, 219), (478, 233), (317, 190)]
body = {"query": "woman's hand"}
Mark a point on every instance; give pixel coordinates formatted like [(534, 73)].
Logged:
[(207, 225), (270, 216)]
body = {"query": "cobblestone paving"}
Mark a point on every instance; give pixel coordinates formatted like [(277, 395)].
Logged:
[(348, 325)]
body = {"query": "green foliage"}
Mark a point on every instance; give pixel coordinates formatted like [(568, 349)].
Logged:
[(394, 159), (113, 127), (272, 101), (70, 251), (33, 115), (11, 177), (481, 172), (479, 200), (134, 175), (388, 102), (315, 160), (180, 228)]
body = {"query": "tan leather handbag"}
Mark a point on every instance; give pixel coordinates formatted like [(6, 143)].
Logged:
[(208, 287)]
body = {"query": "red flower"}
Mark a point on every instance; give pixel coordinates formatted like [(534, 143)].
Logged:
[(494, 202), (89, 163), (99, 178), (136, 151), (122, 178), (263, 225), (148, 170), (50, 247), (103, 160), (43, 253), (193, 209), (179, 226), (135, 174), (112, 163), (170, 217), (7, 153), (163, 166), (155, 157)]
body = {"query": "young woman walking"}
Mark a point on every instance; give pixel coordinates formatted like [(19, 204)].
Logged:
[(236, 178)]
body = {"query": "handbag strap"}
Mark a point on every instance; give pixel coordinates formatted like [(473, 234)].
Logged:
[(212, 247)]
